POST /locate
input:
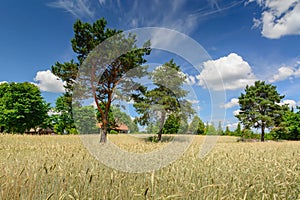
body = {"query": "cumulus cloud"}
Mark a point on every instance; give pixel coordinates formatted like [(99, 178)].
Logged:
[(230, 72), (48, 82), (297, 72), (291, 103), (232, 103), (232, 126), (2, 82), (193, 101), (236, 112), (284, 73), (78, 8), (278, 18), (190, 80)]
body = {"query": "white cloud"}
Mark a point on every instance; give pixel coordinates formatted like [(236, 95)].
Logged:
[(282, 74), (236, 112), (233, 102), (52, 112), (102, 2), (291, 103), (297, 73), (48, 82), (2, 82), (78, 8), (190, 80), (232, 126), (230, 72), (193, 101), (279, 18)]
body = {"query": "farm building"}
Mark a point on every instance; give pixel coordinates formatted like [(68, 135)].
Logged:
[(122, 128), (41, 131)]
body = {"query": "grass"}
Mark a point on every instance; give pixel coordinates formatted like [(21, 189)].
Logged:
[(59, 167)]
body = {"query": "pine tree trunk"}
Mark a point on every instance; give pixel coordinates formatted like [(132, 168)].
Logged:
[(262, 132), (162, 121), (103, 137), (159, 135)]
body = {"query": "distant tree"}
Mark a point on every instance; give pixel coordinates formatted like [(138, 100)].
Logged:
[(123, 118), (152, 127), (197, 126), (85, 119), (21, 107), (238, 130), (248, 133), (220, 130), (227, 131), (184, 126), (211, 129), (63, 122), (206, 128), (259, 107), (165, 99), (171, 125), (289, 128)]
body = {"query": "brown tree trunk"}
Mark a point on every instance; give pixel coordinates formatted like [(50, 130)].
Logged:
[(263, 132), (103, 137), (162, 121), (159, 135)]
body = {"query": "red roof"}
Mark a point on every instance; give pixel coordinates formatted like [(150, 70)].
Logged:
[(121, 127)]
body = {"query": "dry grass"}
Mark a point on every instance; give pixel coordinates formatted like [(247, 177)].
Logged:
[(59, 167)]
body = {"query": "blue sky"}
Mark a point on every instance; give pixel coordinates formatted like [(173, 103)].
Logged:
[(247, 40)]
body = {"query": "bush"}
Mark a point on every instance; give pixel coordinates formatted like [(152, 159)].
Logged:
[(113, 132)]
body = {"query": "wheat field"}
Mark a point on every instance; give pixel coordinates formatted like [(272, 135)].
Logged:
[(60, 167)]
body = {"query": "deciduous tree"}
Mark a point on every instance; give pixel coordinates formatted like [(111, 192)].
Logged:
[(21, 107), (289, 128), (197, 126)]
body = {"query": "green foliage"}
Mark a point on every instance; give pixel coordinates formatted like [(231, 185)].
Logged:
[(220, 130), (86, 38), (63, 119), (289, 128), (85, 119), (171, 125), (210, 129), (67, 72), (21, 107), (117, 117), (111, 121), (238, 130), (197, 126), (248, 134), (152, 127), (227, 131), (105, 67), (113, 132), (184, 126), (259, 107), (123, 118), (165, 99)]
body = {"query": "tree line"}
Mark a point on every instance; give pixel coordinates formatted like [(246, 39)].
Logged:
[(163, 108)]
